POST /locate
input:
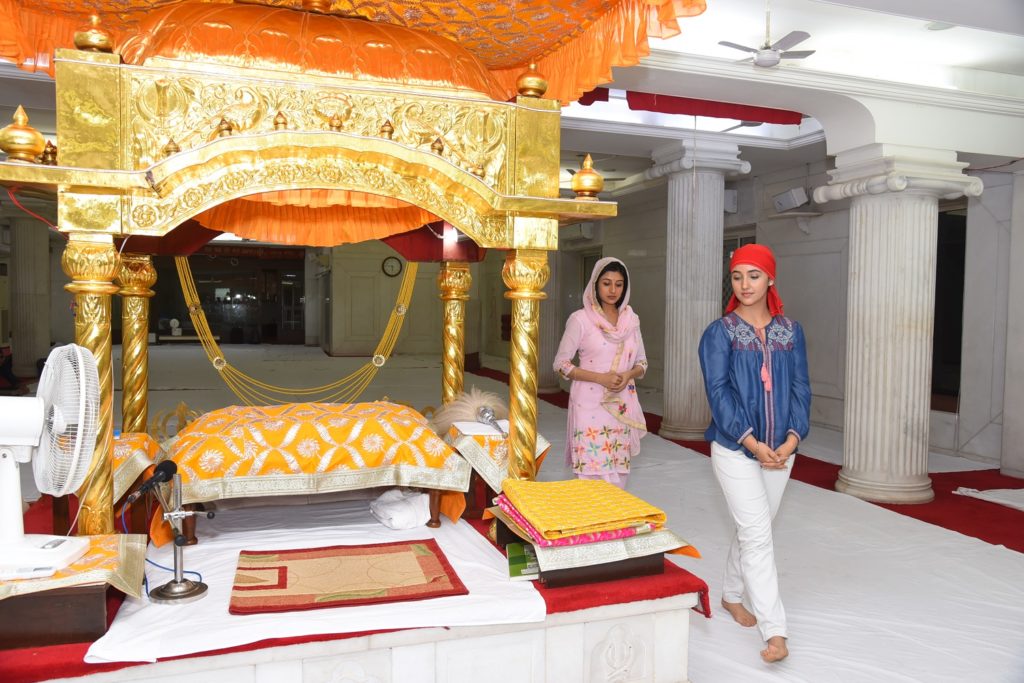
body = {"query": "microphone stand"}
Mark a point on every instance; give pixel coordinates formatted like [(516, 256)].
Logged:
[(180, 590)]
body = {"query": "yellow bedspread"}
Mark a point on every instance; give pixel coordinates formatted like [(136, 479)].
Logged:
[(578, 506), (312, 448)]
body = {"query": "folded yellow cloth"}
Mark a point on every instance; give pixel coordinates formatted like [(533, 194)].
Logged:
[(578, 506)]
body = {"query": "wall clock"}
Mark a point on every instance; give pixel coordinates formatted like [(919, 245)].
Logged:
[(391, 266)]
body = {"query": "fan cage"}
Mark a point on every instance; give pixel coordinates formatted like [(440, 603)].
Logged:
[(69, 387)]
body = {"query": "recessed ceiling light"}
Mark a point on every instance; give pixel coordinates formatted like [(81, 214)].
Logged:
[(939, 26)]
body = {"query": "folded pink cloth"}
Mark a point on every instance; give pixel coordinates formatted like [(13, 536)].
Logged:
[(510, 510)]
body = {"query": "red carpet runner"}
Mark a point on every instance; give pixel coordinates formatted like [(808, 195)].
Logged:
[(989, 522)]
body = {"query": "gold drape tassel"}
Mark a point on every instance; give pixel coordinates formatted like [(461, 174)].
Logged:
[(253, 392)]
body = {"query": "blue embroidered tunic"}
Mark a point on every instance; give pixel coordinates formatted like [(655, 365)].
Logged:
[(731, 358)]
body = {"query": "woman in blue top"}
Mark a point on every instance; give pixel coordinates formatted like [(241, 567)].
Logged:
[(755, 374)]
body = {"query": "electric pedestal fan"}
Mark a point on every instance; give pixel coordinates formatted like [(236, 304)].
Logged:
[(56, 430)]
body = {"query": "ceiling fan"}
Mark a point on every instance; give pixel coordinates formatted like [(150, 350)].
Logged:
[(770, 54), (743, 124)]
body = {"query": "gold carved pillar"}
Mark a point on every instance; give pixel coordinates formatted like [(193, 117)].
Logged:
[(136, 275), (91, 263), (453, 280), (525, 274)]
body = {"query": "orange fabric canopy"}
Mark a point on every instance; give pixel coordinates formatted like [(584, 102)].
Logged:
[(478, 46), (315, 218), (575, 43)]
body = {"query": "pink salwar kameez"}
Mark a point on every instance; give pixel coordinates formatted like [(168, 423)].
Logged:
[(604, 427)]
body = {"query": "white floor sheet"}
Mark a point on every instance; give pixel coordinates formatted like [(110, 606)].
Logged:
[(1013, 498), (871, 595), (145, 631)]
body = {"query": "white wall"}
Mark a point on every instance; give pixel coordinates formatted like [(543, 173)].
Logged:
[(977, 430), (362, 298)]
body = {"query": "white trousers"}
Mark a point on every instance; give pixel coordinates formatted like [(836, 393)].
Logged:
[(753, 495)]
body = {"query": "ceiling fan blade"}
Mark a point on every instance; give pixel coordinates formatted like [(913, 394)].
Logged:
[(571, 171), (798, 54), (790, 39), (737, 46)]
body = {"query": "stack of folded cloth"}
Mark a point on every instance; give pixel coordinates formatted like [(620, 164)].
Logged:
[(580, 523)]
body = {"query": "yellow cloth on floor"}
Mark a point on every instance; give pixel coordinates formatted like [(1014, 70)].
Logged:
[(578, 506)]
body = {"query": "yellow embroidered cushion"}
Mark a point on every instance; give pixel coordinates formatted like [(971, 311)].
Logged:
[(312, 448), (578, 506)]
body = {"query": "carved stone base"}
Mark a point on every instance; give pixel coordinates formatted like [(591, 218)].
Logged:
[(681, 433), (879, 492)]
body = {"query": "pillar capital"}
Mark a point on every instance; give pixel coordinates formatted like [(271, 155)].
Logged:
[(453, 281), (704, 155), (525, 273), (136, 275), (92, 263), (882, 168)]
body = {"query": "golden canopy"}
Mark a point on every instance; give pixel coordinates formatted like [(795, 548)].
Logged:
[(574, 42)]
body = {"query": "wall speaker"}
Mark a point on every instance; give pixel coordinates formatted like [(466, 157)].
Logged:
[(790, 199)]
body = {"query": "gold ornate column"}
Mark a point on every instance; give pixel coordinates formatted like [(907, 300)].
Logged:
[(453, 281), (525, 274), (136, 275), (91, 263)]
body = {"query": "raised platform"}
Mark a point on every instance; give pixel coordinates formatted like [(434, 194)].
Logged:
[(642, 641), (634, 629)]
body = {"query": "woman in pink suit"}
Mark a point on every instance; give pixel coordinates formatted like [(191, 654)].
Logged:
[(605, 420)]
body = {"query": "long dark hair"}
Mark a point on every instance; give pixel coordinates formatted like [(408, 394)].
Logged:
[(613, 267)]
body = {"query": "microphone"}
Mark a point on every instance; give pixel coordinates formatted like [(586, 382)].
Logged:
[(165, 471)]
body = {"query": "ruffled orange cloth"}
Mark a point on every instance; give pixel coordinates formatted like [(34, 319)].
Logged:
[(318, 225), (574, 42)]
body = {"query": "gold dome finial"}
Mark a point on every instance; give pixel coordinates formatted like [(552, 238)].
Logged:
[(49, 154), (94, 38), (531, 83), (21, 141), (280, 122), (587, 182), (387, 130)]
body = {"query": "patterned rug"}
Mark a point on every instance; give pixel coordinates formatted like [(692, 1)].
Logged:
[(338, 576)]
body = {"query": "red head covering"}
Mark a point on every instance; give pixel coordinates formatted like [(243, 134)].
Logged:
[(762, 258)]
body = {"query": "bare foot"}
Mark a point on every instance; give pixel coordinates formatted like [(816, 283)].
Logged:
[(776, 650), (740, 613)]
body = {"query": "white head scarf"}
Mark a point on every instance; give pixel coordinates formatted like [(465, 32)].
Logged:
[(628, 321)]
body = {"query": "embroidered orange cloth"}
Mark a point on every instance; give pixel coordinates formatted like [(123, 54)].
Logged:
[(487, 450), (133, 453), (117, 559), (339, 576), (311, 448)]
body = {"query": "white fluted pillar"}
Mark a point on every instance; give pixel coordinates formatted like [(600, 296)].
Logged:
[(550, 332), (30, 293), (890, 313), (696, 173)]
